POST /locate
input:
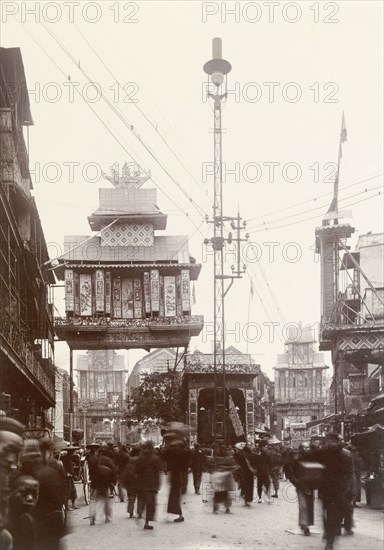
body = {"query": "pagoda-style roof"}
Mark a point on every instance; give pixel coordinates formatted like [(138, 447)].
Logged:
[(167, 251), (127, 205), (235, 363)]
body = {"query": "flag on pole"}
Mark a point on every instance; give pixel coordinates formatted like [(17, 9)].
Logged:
[(334, 206), (235, 419)]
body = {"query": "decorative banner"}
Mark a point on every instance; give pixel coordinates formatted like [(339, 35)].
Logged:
[(93, 287), (161, 296), (108, 292), (137, 299), (185, 291), (76, 286), (100, 290), (155, 290), (178, 295), (127, 298), (91, 386), (85, 294), (147, 292), (169, 296), (116, 297), (234, 416), (69, 291)]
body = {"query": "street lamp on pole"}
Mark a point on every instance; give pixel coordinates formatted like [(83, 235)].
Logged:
[(84, 406), (217, 69)]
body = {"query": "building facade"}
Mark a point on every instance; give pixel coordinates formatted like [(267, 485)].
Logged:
[(300, 384), (159, 360), (102, 398), (127, 287), (27, 374), (237, 416), (352, 322)]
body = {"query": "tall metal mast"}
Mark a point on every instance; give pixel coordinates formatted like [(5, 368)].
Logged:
[(217, 69)]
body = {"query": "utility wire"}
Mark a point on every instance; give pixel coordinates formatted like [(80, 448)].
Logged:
[(106, 126), (123, 119), (152, 124), (314, 217), (366, 190), (313, 199)]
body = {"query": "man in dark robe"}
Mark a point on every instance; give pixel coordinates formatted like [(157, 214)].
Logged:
[(338, 486), (148, 475), (177, 457)]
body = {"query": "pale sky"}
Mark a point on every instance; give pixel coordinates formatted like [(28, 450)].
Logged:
[(294, 71)]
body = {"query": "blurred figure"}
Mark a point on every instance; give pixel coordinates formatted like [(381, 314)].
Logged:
[(276, 464), (11, 443), (197, 465), (338, 487), (358, 465), (129, 480), (66, 458), (92, 459), (243, 458), (104, 477), (294, 473), (177, 458), (121, 460), (49, 507), (221, 477), (148, 476)]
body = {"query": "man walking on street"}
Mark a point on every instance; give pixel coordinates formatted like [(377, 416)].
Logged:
[(148, 474), (338, 487), (197, 466)]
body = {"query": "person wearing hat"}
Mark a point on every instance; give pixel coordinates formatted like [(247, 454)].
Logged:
[(11, 442), (338, 486)]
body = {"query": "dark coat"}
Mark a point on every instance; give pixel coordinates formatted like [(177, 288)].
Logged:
[(197, 461), (128, 476), (148, 472), (105, 473), (177, 458), (339, 475)]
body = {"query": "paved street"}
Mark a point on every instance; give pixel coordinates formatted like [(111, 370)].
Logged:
[(260, 526)]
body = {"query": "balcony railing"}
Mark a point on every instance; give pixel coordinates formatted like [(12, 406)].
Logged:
[(41, 369), (108, 323), (197, 367)]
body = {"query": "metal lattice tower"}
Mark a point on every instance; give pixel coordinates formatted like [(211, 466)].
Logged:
[(217, 69)]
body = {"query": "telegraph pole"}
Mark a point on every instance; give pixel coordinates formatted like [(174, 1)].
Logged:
[(217, 69)]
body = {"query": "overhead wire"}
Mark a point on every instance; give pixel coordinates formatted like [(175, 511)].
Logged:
[(171, 177), (315, 208), (147, 118), (124, 120), (312, 199), (312, 217), (106, 126)]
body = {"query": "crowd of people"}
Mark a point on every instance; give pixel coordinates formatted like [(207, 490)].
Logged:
[(37, 487)]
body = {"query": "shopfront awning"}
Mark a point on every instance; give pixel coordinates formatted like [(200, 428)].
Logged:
[(324, 420)]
